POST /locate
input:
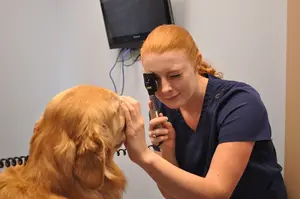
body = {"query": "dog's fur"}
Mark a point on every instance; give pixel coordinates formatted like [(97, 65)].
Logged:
[(72, 150)]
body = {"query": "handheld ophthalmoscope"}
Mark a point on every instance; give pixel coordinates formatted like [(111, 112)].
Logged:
[(151, 85)]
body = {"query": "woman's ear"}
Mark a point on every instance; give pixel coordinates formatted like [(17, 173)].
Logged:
[(89, 163), (200, 55)]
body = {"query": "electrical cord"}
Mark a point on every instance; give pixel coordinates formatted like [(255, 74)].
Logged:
[(134, 61), (122, 54), (110, 72), (11, 162), (124, 151), (123, 73)]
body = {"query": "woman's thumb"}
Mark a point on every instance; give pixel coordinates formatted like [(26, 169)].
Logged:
[(168, 125)]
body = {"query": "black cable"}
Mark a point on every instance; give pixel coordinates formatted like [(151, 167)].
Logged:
[(13, 161), (134, 61), (8, 162)]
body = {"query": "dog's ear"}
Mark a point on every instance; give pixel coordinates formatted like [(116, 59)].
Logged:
[(89, 163)]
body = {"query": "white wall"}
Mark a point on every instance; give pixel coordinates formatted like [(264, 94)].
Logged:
[(47, 46), (30, 64)]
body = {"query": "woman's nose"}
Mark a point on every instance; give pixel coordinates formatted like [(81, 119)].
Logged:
[(165, 86)]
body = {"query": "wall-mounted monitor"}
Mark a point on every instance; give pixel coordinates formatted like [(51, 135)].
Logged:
[(128, 22)]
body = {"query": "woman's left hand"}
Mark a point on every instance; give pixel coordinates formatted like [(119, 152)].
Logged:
[(135, 130)]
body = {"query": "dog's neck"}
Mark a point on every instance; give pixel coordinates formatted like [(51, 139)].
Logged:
[(44, 173), (48, 177)]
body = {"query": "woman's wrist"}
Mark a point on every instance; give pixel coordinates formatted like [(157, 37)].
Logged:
[(166, 150), (147, 158), (169, 155)]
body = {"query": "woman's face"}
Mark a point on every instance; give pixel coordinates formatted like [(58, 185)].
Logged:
[(177, 77)]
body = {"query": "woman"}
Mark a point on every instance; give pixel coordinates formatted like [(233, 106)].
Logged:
[(215, 134)]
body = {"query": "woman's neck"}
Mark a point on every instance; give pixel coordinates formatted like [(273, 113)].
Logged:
[(192, 111)]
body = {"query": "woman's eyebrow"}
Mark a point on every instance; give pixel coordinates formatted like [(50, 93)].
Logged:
[(159, 73), (175, 70)]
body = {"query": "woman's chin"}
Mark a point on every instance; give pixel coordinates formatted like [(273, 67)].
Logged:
[(173, 105)]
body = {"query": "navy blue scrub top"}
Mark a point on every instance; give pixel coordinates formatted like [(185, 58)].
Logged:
[(232, 111)]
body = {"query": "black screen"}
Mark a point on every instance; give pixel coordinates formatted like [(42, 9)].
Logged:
[(133, 17)]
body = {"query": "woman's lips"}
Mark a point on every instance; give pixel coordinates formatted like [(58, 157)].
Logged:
[(171, 98)]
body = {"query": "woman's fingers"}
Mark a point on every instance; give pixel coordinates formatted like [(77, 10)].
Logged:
[(133, 117), (168, 125), (158, 135), (126, 111), (158, 132), (132, 105), (159, 139), (156, 122)]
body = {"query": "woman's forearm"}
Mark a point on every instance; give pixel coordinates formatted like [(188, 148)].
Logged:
[(164, 193), (177, 181), (168, 157)]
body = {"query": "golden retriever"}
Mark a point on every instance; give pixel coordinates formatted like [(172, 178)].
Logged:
[(72, 150)]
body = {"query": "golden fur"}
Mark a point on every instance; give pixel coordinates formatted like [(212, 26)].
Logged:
[(72, 150)]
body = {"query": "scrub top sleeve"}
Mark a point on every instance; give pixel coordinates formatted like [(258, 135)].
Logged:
[(244, 118)]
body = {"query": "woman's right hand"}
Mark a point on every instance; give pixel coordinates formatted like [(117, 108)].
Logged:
[(161, 130)]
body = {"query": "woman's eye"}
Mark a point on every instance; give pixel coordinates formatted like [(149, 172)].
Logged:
[(173, 76)]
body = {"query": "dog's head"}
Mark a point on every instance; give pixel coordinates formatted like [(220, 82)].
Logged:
[(78, 134)]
